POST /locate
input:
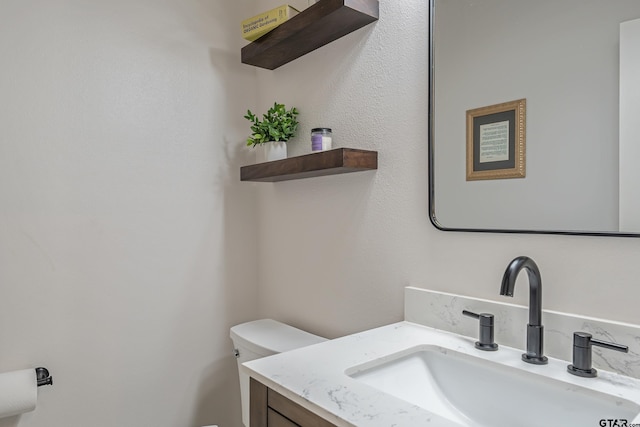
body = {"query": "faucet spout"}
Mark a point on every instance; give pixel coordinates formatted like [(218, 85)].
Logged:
[(535, 330), (535, 286)]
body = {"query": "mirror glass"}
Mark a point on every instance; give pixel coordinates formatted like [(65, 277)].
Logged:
[(577, 65)]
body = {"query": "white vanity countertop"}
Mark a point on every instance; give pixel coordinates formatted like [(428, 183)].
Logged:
[(315, 378)]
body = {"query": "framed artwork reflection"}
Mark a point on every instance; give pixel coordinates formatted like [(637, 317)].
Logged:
[(496, 139)]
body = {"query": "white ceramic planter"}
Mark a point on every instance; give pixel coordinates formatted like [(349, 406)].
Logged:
[(270, 151)]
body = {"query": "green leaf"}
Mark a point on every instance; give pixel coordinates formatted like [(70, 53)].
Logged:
[(277, 124)]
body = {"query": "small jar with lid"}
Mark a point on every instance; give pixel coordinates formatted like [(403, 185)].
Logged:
[(321, 139)]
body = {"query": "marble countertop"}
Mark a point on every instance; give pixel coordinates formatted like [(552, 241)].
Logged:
[(315, 377)]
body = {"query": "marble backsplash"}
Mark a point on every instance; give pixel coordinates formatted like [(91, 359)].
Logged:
[(443, 311)]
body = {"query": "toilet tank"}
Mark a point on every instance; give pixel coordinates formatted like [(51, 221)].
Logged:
[(261, 338)]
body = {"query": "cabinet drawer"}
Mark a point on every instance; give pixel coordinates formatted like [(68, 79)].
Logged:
[(271, 409), (277, 420), (295, 412)]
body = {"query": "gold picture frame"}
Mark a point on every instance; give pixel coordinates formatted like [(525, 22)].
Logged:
[(496, 139)]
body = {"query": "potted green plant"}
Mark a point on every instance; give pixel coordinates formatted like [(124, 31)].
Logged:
[(271, 133)]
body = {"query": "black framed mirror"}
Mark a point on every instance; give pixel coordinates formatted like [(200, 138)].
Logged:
[(576, 63)]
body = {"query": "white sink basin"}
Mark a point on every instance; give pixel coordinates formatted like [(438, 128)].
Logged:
[(475, 391)]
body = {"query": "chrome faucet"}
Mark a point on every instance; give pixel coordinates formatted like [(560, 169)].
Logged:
[(535, 330)]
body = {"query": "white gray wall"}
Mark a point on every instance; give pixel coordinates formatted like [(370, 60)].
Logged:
[(127, 243), (126, 240), (336, 251)]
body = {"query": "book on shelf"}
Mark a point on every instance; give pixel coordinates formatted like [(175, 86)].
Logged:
[(259, 25)]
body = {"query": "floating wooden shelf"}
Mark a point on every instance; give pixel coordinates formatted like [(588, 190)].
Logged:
[(331, 162), (321, 23)]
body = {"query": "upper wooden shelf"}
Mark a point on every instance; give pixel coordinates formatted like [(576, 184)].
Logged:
[(331, 162), (321, 23)]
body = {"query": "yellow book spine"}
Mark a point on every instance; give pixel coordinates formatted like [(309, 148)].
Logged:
[(261, 24)]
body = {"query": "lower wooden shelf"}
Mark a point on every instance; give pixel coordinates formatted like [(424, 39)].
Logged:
[(331, 162)]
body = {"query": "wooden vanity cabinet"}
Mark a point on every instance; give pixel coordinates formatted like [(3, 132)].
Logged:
[(271, 409)]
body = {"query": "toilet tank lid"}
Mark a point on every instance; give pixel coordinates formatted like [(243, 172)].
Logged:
[(268, 336)]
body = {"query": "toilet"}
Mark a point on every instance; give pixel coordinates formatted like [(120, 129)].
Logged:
[(261, 338)]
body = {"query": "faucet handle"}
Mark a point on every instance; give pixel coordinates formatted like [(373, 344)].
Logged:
[(582, 342), (486, 342)]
